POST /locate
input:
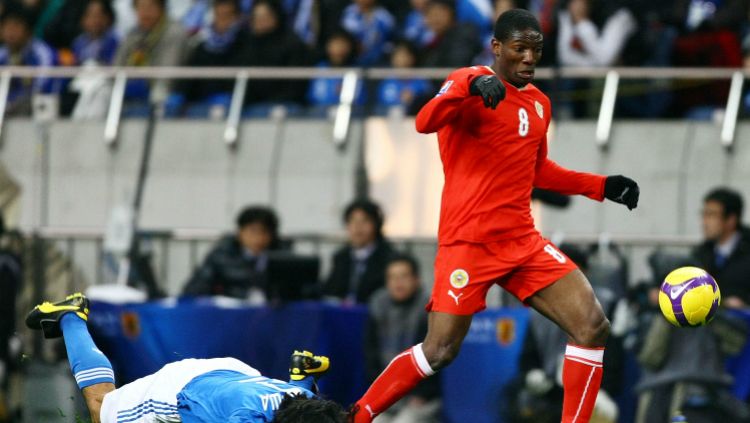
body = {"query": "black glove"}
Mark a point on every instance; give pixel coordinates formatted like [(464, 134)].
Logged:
[(490, 88), (623, 190)]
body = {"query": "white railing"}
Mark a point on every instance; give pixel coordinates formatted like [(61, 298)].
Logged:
[(354, 75), (203, 235)]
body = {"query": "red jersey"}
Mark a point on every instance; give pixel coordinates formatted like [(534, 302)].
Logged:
[(493, 158)]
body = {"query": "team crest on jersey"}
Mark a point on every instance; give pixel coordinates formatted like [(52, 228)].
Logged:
[(445, 87), (459, 278), (539, 109)]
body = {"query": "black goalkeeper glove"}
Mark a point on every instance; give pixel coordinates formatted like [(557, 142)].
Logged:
[(489, 88), (623, 190)]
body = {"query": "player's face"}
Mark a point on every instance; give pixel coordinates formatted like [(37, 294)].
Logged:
[(716, 225), (361, 229), (401, 282), (516, 58), (255, 237)]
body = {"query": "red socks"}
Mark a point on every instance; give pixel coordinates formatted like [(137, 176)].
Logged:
[(582, 375), (404, 372)]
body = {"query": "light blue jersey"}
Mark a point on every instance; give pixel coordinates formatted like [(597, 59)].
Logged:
[(233, 397)]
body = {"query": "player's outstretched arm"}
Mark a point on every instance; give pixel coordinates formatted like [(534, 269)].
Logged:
[(553, 177), (459, 85)]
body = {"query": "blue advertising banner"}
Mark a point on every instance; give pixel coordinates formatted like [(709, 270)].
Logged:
[(473, 384)]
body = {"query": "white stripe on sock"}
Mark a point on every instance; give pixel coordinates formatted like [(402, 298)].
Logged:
[(422, 363), (588, 363), (596, 356), (583, 397)]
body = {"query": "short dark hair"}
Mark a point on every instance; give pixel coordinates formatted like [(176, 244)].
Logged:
[(448, 4), (162, 3), (276, 8), (405, 258), (233, 3), (18, 12), (371, 209), (300, 409), (259, 214), (729, 199), (408, 45), (515, 20), (106, 8)]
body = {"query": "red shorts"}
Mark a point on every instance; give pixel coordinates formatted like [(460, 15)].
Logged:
[(464, 272)]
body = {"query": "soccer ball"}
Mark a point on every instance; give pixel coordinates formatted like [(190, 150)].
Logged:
[(689, 297)]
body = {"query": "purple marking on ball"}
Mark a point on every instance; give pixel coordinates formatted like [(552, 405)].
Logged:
[(711, 312), (675, 293)]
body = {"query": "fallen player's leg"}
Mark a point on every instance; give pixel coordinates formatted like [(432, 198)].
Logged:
[(91, 368)]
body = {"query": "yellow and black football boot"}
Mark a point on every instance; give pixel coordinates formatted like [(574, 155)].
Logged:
[(304, 364), (46, 316)]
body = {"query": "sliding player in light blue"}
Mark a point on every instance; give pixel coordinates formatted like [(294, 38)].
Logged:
[(189, 391)]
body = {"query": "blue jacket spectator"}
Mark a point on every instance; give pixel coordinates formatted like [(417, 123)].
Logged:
[(20, 48), (299, 13), (394, 92), (98, 41), (415, 29), (456, 44), (372, 26), (194, 18), (475, 12), (270, 43), (218, 47), (325, 92)]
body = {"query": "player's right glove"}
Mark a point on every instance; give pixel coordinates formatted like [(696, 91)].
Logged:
[(623, 190), (489, 88)]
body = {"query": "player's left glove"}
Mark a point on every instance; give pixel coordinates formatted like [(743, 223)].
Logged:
[(489, 88), (623, 190)]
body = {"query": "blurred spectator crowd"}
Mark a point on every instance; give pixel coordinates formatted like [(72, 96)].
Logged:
[(364, 33), (668, 372)]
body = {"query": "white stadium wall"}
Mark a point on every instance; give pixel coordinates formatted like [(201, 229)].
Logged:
[(197, 182)]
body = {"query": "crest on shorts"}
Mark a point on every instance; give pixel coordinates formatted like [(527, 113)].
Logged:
[(539, 109), (459, 278)]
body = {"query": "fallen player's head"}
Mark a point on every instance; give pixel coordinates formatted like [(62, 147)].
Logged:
[(300, 409)]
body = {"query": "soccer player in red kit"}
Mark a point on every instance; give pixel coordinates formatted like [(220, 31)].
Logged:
[(492, 125)]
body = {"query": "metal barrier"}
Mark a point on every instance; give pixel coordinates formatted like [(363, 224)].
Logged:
[(352, 76), (85, 251)]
